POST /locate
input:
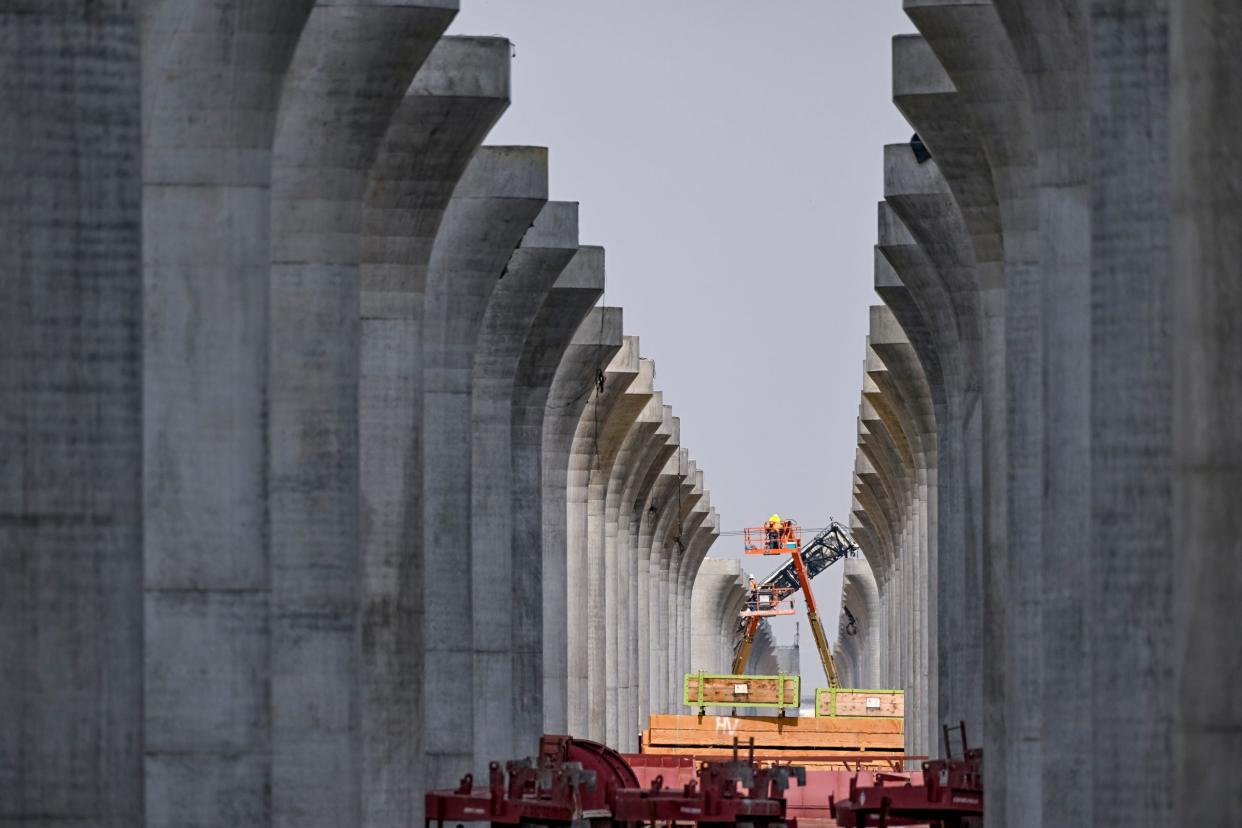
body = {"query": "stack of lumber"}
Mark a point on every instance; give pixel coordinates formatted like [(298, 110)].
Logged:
[(818, 742)]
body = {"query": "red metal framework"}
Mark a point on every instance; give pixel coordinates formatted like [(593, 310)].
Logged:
[(951, 795), (575, 782)]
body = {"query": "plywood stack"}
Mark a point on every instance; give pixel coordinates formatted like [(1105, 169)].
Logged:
[(817, 742)]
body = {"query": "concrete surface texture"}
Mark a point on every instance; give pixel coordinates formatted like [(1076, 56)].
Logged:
[(324, 481), (302, 434), (1060, 271)]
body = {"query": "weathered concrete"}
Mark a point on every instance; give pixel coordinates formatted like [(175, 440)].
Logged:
[(349, 72), (971, 45), (1051, 47), (205, 293), (543, 254), (710, 629), (1207, 395), (458, 93), (630, 464), (499, 196), (71, 465), (656, 485), (538, 497), (591, 455), (598, 339), (634, 496), (608, 572)]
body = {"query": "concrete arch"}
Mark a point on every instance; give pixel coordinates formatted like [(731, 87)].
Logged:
[(713, 592)]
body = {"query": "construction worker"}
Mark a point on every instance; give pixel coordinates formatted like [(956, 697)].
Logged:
[(754, 594), (774, 531)]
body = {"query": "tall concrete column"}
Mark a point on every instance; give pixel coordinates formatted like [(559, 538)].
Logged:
[(1206, 253), (1051, 44), (1131, 382), (497, 199), (973, 48), (600, 429), (205, 293), (716, 583), (71, 416), (456, 96), (348, 74), (564, 491), (534, 267), (669, 540), (634, 496), (539, 461), (630, 464), (610, 572), (656, 485), (661, 504)]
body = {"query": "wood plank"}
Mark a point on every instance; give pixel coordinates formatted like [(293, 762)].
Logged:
[(772, 724), (789, 739), (849, 702), (719, 690)]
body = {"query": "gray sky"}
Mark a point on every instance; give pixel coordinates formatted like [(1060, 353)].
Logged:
[(728, 156)]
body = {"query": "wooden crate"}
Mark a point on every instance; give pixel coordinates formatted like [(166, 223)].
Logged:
[(713, 690), (848, 702), (793, 737)]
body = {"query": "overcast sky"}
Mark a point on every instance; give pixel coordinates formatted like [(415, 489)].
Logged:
[(728, 156)]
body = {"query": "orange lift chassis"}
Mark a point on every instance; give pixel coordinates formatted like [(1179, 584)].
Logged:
[(828, 547)]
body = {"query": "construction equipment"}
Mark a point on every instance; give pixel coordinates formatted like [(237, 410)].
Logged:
[(573, 782), (951, 795), (805, 562)]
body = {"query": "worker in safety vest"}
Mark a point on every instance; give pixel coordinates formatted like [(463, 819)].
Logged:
[(754, 594), (774, 531)]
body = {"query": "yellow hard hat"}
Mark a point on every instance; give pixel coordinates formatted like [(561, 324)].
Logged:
[(775, 518)]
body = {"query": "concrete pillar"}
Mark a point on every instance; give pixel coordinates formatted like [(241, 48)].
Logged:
[(204, 339), (1130, 639), (458, 93), (347, 75), (594, 449), (920, 197), (564, 493), (662, 503), (973, 48), (633, 499), (1207, 395), (71, 477), (656, 485), (716, 583), (609, 570), (1051, 44), (630, 465), (497, 199), (701, 541), (543, 254), (539, 459)]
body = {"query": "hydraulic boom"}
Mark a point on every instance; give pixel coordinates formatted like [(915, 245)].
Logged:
[(828, 547)]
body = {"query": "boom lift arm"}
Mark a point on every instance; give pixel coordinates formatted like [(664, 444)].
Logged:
[(825, 549)]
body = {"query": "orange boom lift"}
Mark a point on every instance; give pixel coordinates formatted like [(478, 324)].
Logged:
[(775, 595)]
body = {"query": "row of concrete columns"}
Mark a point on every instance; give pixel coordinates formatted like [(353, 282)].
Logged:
[(1053, 544), (323, 482)]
